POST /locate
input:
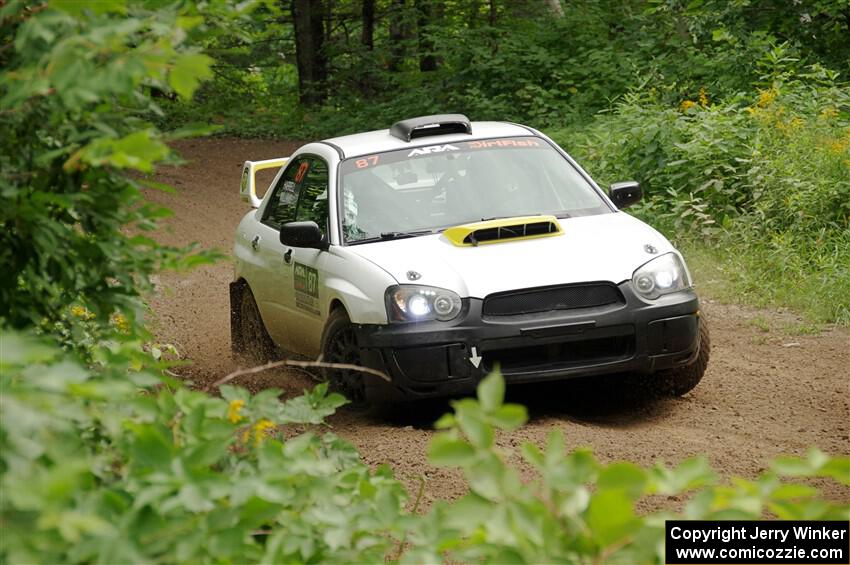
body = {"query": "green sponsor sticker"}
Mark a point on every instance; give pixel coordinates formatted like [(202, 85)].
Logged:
[(306, 288)]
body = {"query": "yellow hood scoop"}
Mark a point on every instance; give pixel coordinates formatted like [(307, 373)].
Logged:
[(503, 229)]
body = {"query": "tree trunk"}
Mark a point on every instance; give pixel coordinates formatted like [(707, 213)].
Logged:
[(368, 37), (398, 34), (472, 22), (493, 12), (425, 17), (308, 22)]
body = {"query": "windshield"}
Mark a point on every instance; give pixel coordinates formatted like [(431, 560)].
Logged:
[(426, 189)]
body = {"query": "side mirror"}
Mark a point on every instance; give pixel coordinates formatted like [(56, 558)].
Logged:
[(303, 234), (625, 193)]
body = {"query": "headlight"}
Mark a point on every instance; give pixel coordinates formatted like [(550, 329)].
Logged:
[(413, 303), (660, 276)]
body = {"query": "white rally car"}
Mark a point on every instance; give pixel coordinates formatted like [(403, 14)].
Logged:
[(440, 249)]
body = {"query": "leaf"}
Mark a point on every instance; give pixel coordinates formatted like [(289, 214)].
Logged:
[(468, 512), (792, 491), (445, 422), (138, 150), (610, 516), (574, 502), (486, 477), (479, 432), (837, 468), (691, 473), (491, 392), (194, 499), (448, 451), (150, 447), (532, 454), (791, 466), (188, 71), (623, 476), (555, 449), (18, 350), (509, 416)]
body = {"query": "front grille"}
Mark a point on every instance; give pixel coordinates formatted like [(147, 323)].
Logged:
[(552, 298), (560, 355)]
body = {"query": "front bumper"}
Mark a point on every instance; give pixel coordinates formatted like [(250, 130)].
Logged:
[(437, 358)]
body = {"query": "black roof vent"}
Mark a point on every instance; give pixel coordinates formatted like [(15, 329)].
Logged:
[(422, 126)]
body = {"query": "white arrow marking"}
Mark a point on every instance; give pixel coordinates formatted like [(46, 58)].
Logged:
[(475, 359)]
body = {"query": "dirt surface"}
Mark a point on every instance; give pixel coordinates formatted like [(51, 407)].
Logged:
[(772, 386)]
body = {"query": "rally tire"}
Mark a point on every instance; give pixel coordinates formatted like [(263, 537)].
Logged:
[(339, 345), (251, 342), (682, 380)]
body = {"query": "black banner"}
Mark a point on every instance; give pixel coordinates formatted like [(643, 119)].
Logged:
[(758, 541)]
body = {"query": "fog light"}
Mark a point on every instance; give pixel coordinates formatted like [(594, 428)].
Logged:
[(443, 305), (645, 284)]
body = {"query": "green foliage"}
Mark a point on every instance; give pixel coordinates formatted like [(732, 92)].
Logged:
[(576, 509), (761, 184), (74, 95), (519, 63), (115, 464), (119, 467)]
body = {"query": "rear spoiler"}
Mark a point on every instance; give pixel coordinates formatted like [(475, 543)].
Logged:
[(248, 184)]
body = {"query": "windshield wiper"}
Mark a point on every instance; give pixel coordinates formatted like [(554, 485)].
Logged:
[(505, 217), (403, 234), (391, 235)]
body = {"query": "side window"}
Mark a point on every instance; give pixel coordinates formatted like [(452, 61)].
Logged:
[(313, 201), (281, 207)]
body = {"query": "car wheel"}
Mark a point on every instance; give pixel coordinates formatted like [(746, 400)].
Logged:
[(681, 380), (250, 341), (339, 345)]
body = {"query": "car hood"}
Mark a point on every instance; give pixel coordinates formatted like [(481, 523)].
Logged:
[(605, 247)]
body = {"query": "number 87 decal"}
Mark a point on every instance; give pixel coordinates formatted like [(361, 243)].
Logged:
[(302, 170), (366, 161)]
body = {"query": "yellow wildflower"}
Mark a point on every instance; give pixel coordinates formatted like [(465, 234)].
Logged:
[(703, 97), (766, 97), (790, 125), (81, 312), (838, 146), (687, 105), (261, 430), (828, 113), (121, 322), (233, 411)]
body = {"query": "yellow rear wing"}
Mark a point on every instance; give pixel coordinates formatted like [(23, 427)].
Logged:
[(248, 184)]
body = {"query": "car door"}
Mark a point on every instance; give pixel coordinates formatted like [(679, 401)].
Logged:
[(273, 282), (309, 266)]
